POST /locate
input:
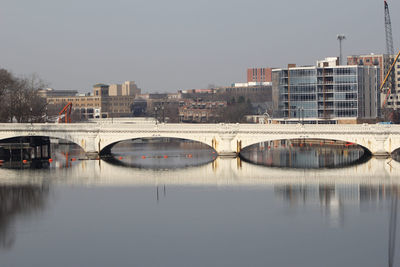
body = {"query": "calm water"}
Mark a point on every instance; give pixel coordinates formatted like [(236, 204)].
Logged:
[(187, 209)]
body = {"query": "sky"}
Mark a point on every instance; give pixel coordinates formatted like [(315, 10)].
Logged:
[(170, 45)]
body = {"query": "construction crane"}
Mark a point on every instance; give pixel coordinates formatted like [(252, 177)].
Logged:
[(390, 72), (65, 113), (390, 77), (388, 30)]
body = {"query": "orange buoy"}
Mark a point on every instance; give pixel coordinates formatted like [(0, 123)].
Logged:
[(50, 160), (165, 156), (143, 157), (120, 158), (24, 161)]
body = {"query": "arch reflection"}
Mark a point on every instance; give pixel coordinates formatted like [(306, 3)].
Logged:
[(305, 154), (160, 153)]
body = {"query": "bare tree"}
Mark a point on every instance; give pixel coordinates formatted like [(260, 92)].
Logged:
[(19, 99)]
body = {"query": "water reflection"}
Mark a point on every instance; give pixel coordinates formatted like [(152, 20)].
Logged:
[(17, 200), (210, 207), (305, 154), (274, 216), (396, 155), (162, 153), (333, 198), (63, 155)]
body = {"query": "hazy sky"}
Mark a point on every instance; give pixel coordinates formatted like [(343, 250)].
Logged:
[(167, 45)]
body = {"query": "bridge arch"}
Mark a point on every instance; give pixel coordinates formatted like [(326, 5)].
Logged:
[(105, 146), (50, 135), (362, 143)]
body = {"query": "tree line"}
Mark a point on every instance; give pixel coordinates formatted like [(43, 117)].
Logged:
[(19, 98)]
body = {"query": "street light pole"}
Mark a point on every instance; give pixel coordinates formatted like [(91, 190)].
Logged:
[(340, 38), (298, 114), (163, 113)]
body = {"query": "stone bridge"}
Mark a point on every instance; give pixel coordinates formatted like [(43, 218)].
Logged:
[(226, 139)]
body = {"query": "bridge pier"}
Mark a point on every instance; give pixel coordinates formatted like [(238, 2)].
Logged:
[(381, 151), (227, 154), (92, 155), (92, 146), (225, 148)]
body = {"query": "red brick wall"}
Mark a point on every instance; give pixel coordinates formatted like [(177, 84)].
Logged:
[(260, 75)]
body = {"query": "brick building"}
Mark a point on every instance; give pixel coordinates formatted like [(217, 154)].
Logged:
[(259, 75), (105, 102), (191, 110)]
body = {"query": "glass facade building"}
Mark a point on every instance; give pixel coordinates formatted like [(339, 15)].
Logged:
[(326, 92)]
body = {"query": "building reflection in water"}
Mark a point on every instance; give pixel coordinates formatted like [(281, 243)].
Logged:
[(305, 154), (164, 192), (17, 200), (334, 198)]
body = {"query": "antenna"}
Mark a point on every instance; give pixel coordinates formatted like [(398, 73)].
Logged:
[(341, 37)]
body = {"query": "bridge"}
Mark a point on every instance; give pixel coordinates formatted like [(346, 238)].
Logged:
[(227, 139)]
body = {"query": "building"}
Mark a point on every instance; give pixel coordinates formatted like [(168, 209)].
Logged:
[(115, 90), (129, 88), (381, 61), (261, 92), (50, 92), (259, 75), (105, 102), (326, 93), (198, 111)]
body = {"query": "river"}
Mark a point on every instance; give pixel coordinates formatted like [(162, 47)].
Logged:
[(177, 204)]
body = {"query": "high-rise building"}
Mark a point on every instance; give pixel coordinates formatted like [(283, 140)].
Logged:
[(130, 88), (381, 60), (326, 93), (115, 90), (259, 75), (100, 89)]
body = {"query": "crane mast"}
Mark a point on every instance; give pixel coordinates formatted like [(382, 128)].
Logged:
[(388, 31), (388, 61)]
